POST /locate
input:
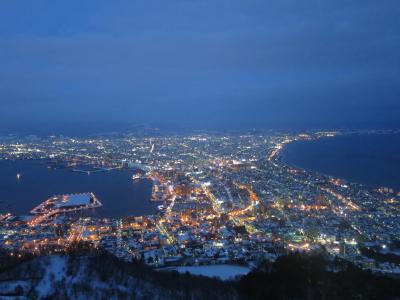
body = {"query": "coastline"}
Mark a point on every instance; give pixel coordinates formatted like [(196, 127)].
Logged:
[(282, 158)]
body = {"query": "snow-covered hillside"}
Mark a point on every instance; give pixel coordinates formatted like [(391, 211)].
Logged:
[(101, 277)]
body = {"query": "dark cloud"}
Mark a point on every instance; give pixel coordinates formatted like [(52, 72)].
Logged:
[(201, 63)]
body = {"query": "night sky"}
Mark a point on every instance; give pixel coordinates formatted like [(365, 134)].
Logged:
[(200, 64)]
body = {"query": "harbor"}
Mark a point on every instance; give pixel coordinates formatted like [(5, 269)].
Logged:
[(38, 182)]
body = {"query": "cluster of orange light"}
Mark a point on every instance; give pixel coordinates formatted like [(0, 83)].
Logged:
[(240, 212), (299, 247), (308, 207), (336, 182), (391, 201), (253, 196)]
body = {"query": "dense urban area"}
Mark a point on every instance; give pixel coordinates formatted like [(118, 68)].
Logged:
[(222, 199)]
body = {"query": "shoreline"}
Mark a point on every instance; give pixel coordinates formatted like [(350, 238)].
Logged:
[(281, 159)]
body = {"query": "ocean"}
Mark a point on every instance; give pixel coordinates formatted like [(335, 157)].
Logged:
[(369, 159)]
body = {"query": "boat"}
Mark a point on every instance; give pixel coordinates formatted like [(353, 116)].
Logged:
[(136, 177)]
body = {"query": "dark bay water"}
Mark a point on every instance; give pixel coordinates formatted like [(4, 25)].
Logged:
[(119, 195), (373, 160)]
